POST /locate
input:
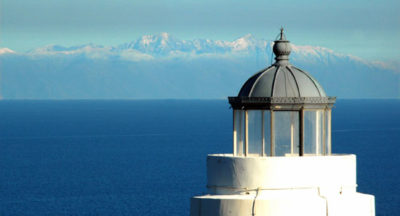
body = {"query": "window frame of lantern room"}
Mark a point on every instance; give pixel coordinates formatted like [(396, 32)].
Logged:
[(297, 142)]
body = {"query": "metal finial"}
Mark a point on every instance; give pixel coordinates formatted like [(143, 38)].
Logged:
[(281, 49)]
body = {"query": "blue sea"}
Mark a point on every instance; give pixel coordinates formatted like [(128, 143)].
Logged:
[(148, 157)]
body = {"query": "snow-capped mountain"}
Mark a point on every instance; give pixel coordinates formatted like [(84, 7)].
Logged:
[(164, 45), (6, 51), (158, 44), (162, 66)]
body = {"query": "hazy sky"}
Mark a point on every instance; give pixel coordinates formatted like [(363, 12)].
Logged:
[(369, 29)]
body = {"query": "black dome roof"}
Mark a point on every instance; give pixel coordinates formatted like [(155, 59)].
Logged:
[(282, 79)]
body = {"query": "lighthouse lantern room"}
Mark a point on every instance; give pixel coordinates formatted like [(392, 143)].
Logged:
[(281, 111), (282, 163)]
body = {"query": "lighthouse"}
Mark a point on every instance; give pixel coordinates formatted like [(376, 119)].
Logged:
[(282, 162)]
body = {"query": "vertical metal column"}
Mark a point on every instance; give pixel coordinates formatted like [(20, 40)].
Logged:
[(301, 132)]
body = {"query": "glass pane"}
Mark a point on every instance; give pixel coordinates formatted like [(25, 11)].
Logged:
[(319, 133), (313, 132), (239, 131), (235, 131), (254, 131), (328, 131), (294, 130), (286, 133), (267, 133)]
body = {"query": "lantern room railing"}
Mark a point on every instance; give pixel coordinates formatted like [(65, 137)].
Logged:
[(281, 132)]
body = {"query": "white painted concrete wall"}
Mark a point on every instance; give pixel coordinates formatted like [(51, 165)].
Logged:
[(276, 186), (280, 205), (225, 171)]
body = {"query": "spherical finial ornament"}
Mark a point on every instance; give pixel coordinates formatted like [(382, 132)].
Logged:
[(282, 49)]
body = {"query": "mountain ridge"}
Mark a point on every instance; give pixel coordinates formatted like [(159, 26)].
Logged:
[(164, 45), (162, 66)]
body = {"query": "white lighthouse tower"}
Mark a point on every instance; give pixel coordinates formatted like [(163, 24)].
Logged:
[(282, 162)]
